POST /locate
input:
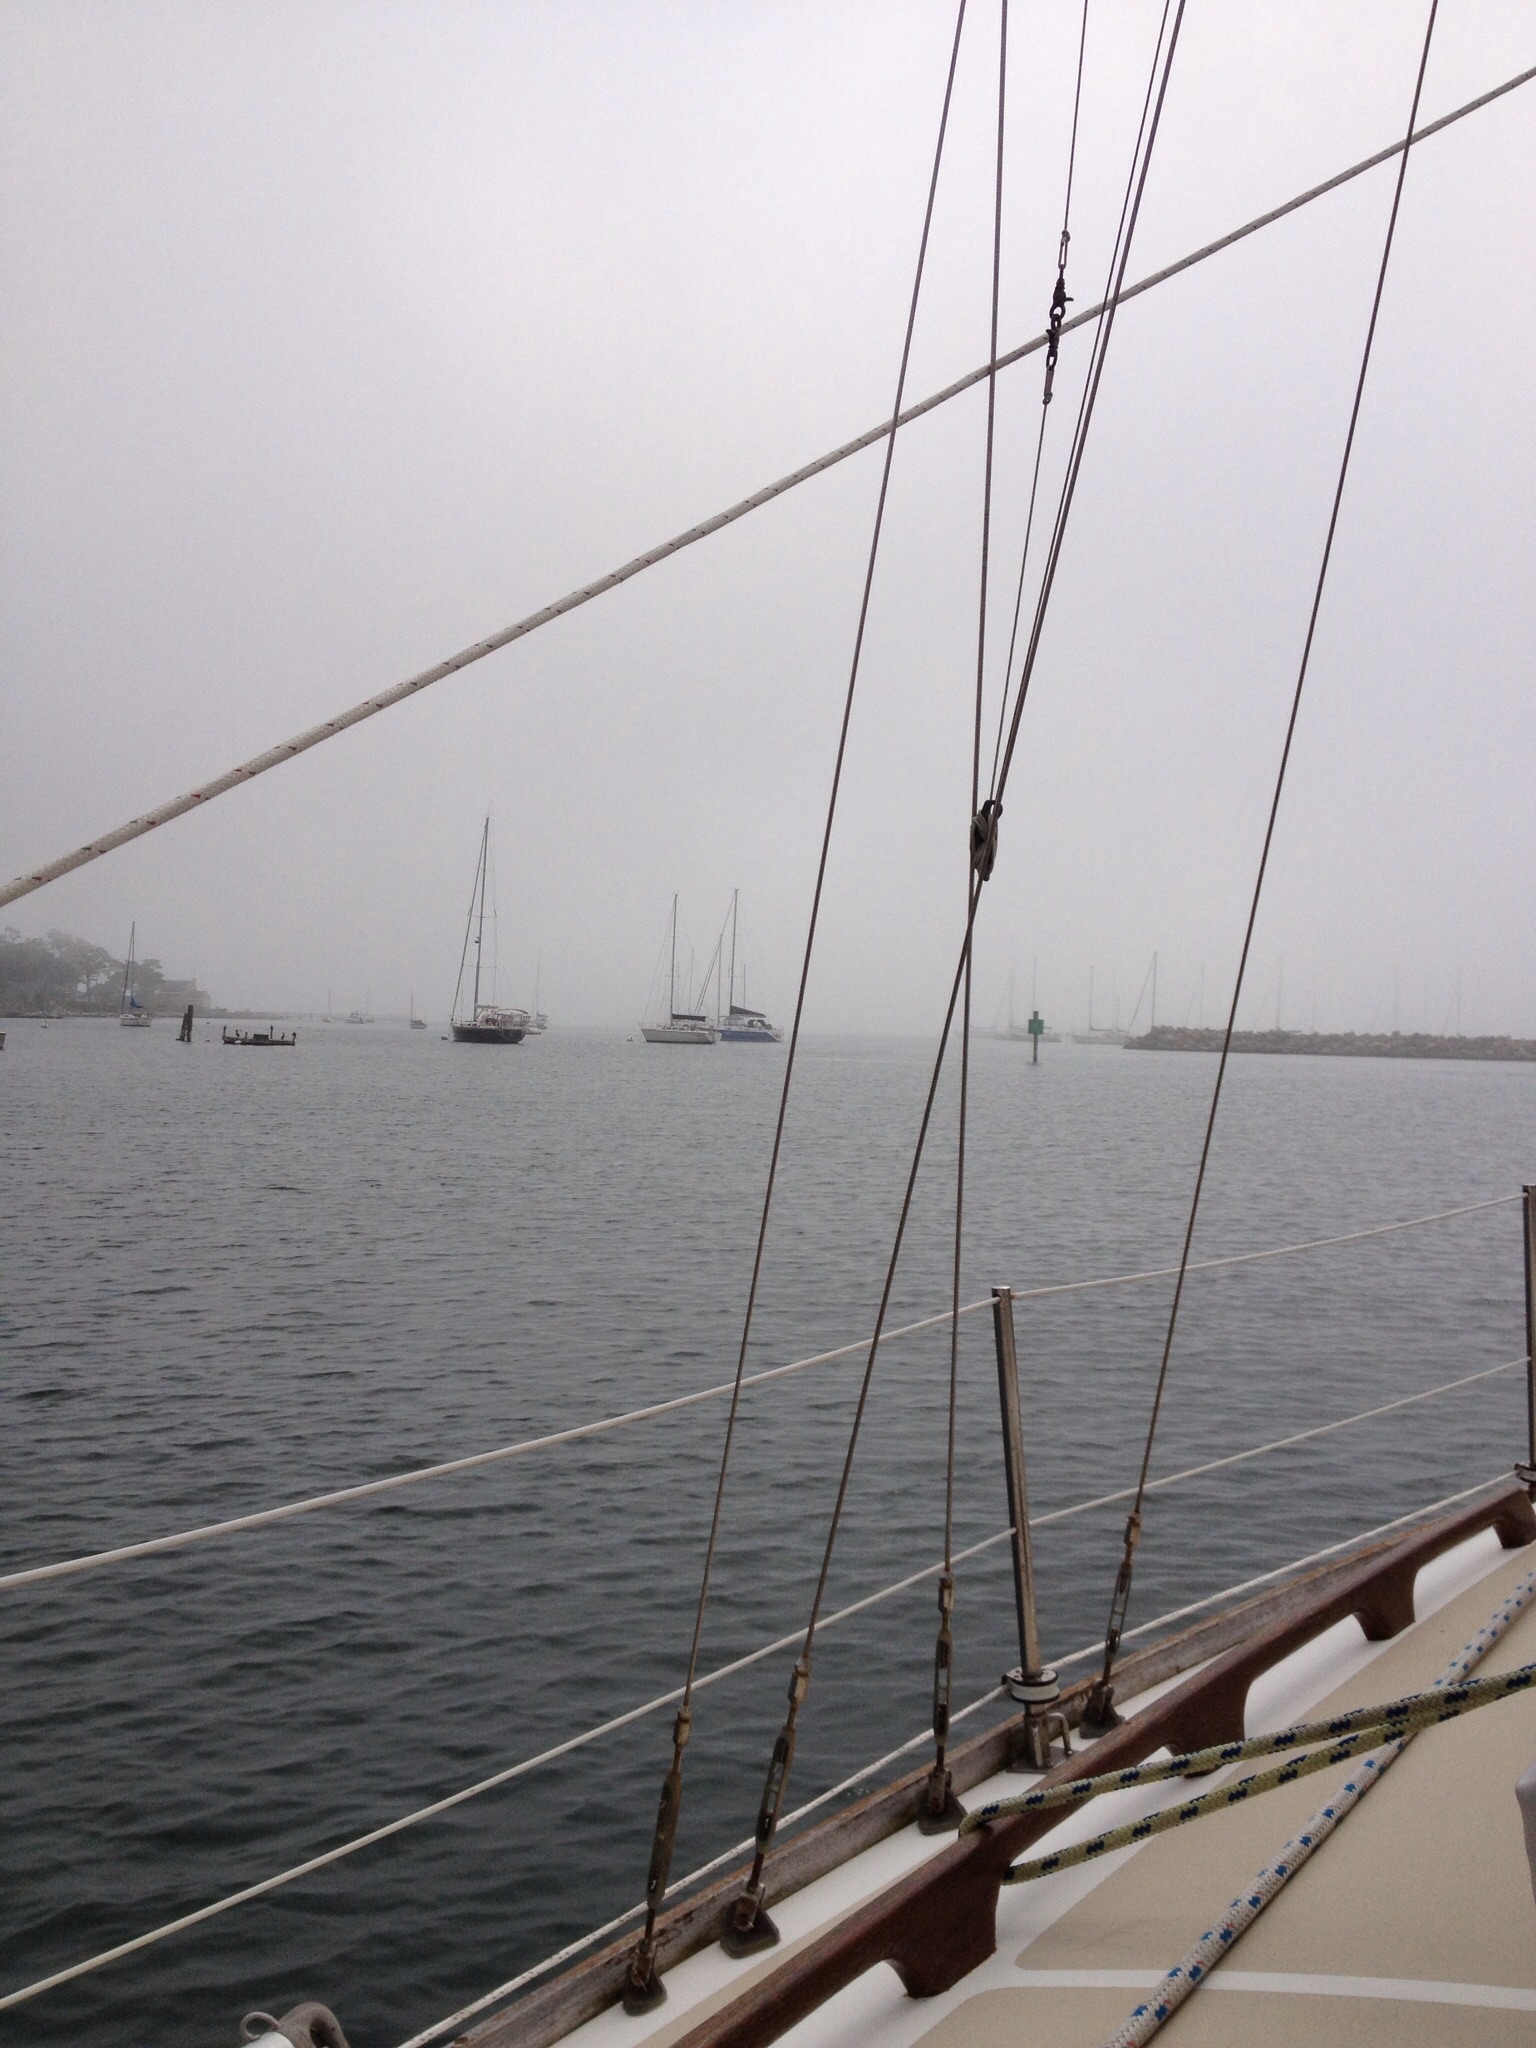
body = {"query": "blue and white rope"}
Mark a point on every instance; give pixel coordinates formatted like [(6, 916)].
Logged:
[(1191, 1971)]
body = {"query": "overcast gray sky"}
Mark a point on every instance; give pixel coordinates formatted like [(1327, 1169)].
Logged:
[(336, 336)]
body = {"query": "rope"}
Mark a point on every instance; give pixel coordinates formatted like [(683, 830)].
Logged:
[(643, 1984), (274, 757), (1120, 1599), (1414, 1710), (1130, 210), (917, 1741), (453, 1799), (184, 1539), (1191, 1971), (1402, 1727), (1282, 1443), (648, 1707)]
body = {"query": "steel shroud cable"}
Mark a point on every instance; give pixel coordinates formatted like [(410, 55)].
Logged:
[(155, 1935), (1103, 1707), (1076, 1657), (748, 1908), (644, 1983)]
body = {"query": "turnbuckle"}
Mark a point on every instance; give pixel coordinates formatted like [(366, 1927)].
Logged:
[(984, 838), (1060, 300), (941, 1812)]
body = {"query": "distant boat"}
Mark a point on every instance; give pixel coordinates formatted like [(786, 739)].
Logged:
[(417, 1023), (271, 1036), (130, 1010), (1022, 1032), (487, 1023), (740, 1025), (538, 1023), (1098, 1034), (678, 1027)]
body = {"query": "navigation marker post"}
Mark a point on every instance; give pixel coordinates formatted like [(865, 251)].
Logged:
[(1036, 1033)]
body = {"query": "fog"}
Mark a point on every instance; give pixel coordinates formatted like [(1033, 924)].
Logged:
[(338, 336)]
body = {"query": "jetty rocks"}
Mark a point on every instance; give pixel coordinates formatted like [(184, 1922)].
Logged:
[(1373, 1045)]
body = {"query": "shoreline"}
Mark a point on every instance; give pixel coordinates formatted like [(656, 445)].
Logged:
[(1376, 1045)]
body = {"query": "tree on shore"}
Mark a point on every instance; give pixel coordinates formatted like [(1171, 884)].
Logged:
[(67, 974)]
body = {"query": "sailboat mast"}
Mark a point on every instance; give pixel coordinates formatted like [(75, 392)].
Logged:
[(735, 894), (1154, 991), (485, 840), (672, 977), (128, 968)]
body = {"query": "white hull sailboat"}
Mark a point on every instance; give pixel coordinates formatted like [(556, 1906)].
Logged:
[(678, 1027)]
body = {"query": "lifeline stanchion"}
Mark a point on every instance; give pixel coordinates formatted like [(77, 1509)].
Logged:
[(1526, 1473), (1034, 1684)]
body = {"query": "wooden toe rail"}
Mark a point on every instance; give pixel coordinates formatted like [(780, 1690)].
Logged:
[(939, 1923)]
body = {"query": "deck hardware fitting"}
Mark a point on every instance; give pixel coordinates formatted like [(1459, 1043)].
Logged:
[(1033, 1683)]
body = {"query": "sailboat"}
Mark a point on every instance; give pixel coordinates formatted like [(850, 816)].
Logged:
[(678, 1027), (740, 1025), (487, 1023), (129, 1009), (1099, 1034), (1432, 1882), (540, 1023), (416, 1023), (1014, 1029)]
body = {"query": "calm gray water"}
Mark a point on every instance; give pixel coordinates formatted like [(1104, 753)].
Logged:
[(232, 1278)]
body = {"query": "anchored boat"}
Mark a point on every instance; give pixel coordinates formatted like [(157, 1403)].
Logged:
[(675, 1026), (486, 1023), (130, 1010), (1117, 1845), (741, 1025)]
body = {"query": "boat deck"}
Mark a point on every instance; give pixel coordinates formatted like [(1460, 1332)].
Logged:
[(1413, 1923)]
